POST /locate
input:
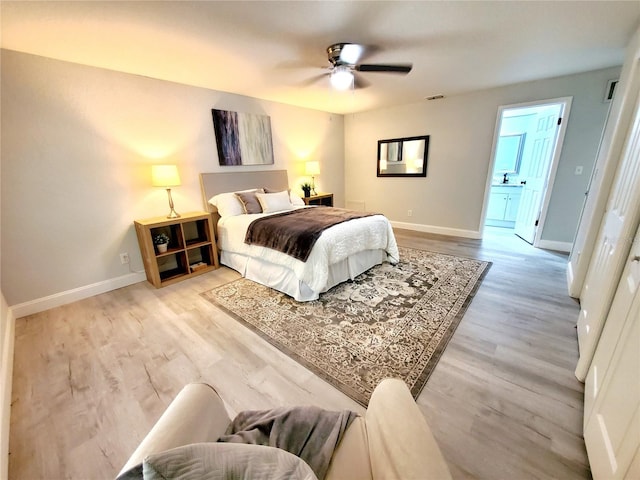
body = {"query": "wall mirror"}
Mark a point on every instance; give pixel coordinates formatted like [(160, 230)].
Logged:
[(403, 157), (509, 153)]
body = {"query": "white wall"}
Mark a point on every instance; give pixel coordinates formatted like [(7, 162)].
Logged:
[(77, 145), (7, 329), (461, 129), (78, 142)]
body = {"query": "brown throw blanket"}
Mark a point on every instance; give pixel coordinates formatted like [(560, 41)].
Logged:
[(310, 433), (295, 232)]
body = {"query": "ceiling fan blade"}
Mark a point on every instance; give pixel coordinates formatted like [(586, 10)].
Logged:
[(350, 53), (314, 79), (360, 82), (295, 65), (397, 68), (369, 51)]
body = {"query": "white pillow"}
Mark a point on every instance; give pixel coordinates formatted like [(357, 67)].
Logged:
[(228, 204), (274, 202), (295, 199)]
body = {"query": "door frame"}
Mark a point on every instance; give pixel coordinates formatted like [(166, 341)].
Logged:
[(553, 167)]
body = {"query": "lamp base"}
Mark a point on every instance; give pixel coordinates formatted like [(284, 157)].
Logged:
[(172, 212)]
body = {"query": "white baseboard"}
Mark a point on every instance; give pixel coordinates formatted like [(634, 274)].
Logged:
[(7, 338), (62, 298), (554, 245), (454, 232)]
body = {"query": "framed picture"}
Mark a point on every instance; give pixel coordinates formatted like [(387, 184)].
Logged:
[(242, 138)]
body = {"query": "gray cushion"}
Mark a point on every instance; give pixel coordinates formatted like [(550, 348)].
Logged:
[(249, 201), (222, 461)]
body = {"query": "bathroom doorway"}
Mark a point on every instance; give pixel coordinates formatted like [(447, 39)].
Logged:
[(526, 149)]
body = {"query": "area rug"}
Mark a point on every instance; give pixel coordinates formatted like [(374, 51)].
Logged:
[(391, 321)]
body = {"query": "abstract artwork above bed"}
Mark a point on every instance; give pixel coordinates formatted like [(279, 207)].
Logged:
[(242, 138)]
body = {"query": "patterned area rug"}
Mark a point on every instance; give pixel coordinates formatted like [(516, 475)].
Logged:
[(392, 321)]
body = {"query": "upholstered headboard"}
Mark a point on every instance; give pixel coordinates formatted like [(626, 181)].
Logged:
[(213, 183)]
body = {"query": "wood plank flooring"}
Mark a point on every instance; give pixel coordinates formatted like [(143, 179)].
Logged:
[(91, 378)]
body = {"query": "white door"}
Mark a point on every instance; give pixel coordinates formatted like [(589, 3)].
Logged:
[(611, 248), (612, 390), (534, 170), (610, 151)]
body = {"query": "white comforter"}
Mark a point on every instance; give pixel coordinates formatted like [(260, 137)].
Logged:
[(334, 245)]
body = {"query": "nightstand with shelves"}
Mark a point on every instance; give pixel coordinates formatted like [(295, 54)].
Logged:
[(324, 199), (191, 250)]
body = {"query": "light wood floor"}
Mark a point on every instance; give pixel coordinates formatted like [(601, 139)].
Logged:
[(91, 378)]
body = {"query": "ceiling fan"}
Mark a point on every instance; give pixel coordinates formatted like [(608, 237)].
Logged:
[(344, 58)]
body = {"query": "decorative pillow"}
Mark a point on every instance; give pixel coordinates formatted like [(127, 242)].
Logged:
[(274, 202), (293, 198), (226, 460), (250, 202), (296, 200), (228, 204)]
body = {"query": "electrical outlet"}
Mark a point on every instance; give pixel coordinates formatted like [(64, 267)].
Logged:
[(124, 258), (409, 213)]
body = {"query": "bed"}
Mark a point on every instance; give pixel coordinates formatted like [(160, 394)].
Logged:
[(341, 252)]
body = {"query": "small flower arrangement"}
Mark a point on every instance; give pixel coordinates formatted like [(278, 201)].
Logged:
[(306, 188), (160, 239)]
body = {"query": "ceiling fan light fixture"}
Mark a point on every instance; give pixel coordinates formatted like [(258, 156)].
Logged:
[(342, 77)]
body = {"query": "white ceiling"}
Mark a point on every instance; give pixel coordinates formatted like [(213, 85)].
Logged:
[(269, 49)]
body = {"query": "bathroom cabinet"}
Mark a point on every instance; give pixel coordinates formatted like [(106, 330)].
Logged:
[(504, 201)]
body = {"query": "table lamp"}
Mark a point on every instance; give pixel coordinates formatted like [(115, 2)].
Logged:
[(166, 176), (312, 169)]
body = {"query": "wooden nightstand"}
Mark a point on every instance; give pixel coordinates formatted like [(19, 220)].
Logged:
[(191, 250), (324, 199)]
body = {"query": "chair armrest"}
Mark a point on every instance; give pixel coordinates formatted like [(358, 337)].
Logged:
[(197, 414), (401, 445)]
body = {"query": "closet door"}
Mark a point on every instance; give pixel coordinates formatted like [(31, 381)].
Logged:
[(611, 248), (609, 153), (612, 390)]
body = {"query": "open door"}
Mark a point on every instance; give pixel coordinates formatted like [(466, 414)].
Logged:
[(612, 246), (609, 154), (536, 131), (535, 170)]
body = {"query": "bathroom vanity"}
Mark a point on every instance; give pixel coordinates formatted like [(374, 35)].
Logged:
[(504, 201)]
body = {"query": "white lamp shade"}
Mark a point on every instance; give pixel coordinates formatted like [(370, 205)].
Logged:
[(312, 168), (165, 176)]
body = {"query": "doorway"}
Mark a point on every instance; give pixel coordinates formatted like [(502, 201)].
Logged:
[(526, 149)]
